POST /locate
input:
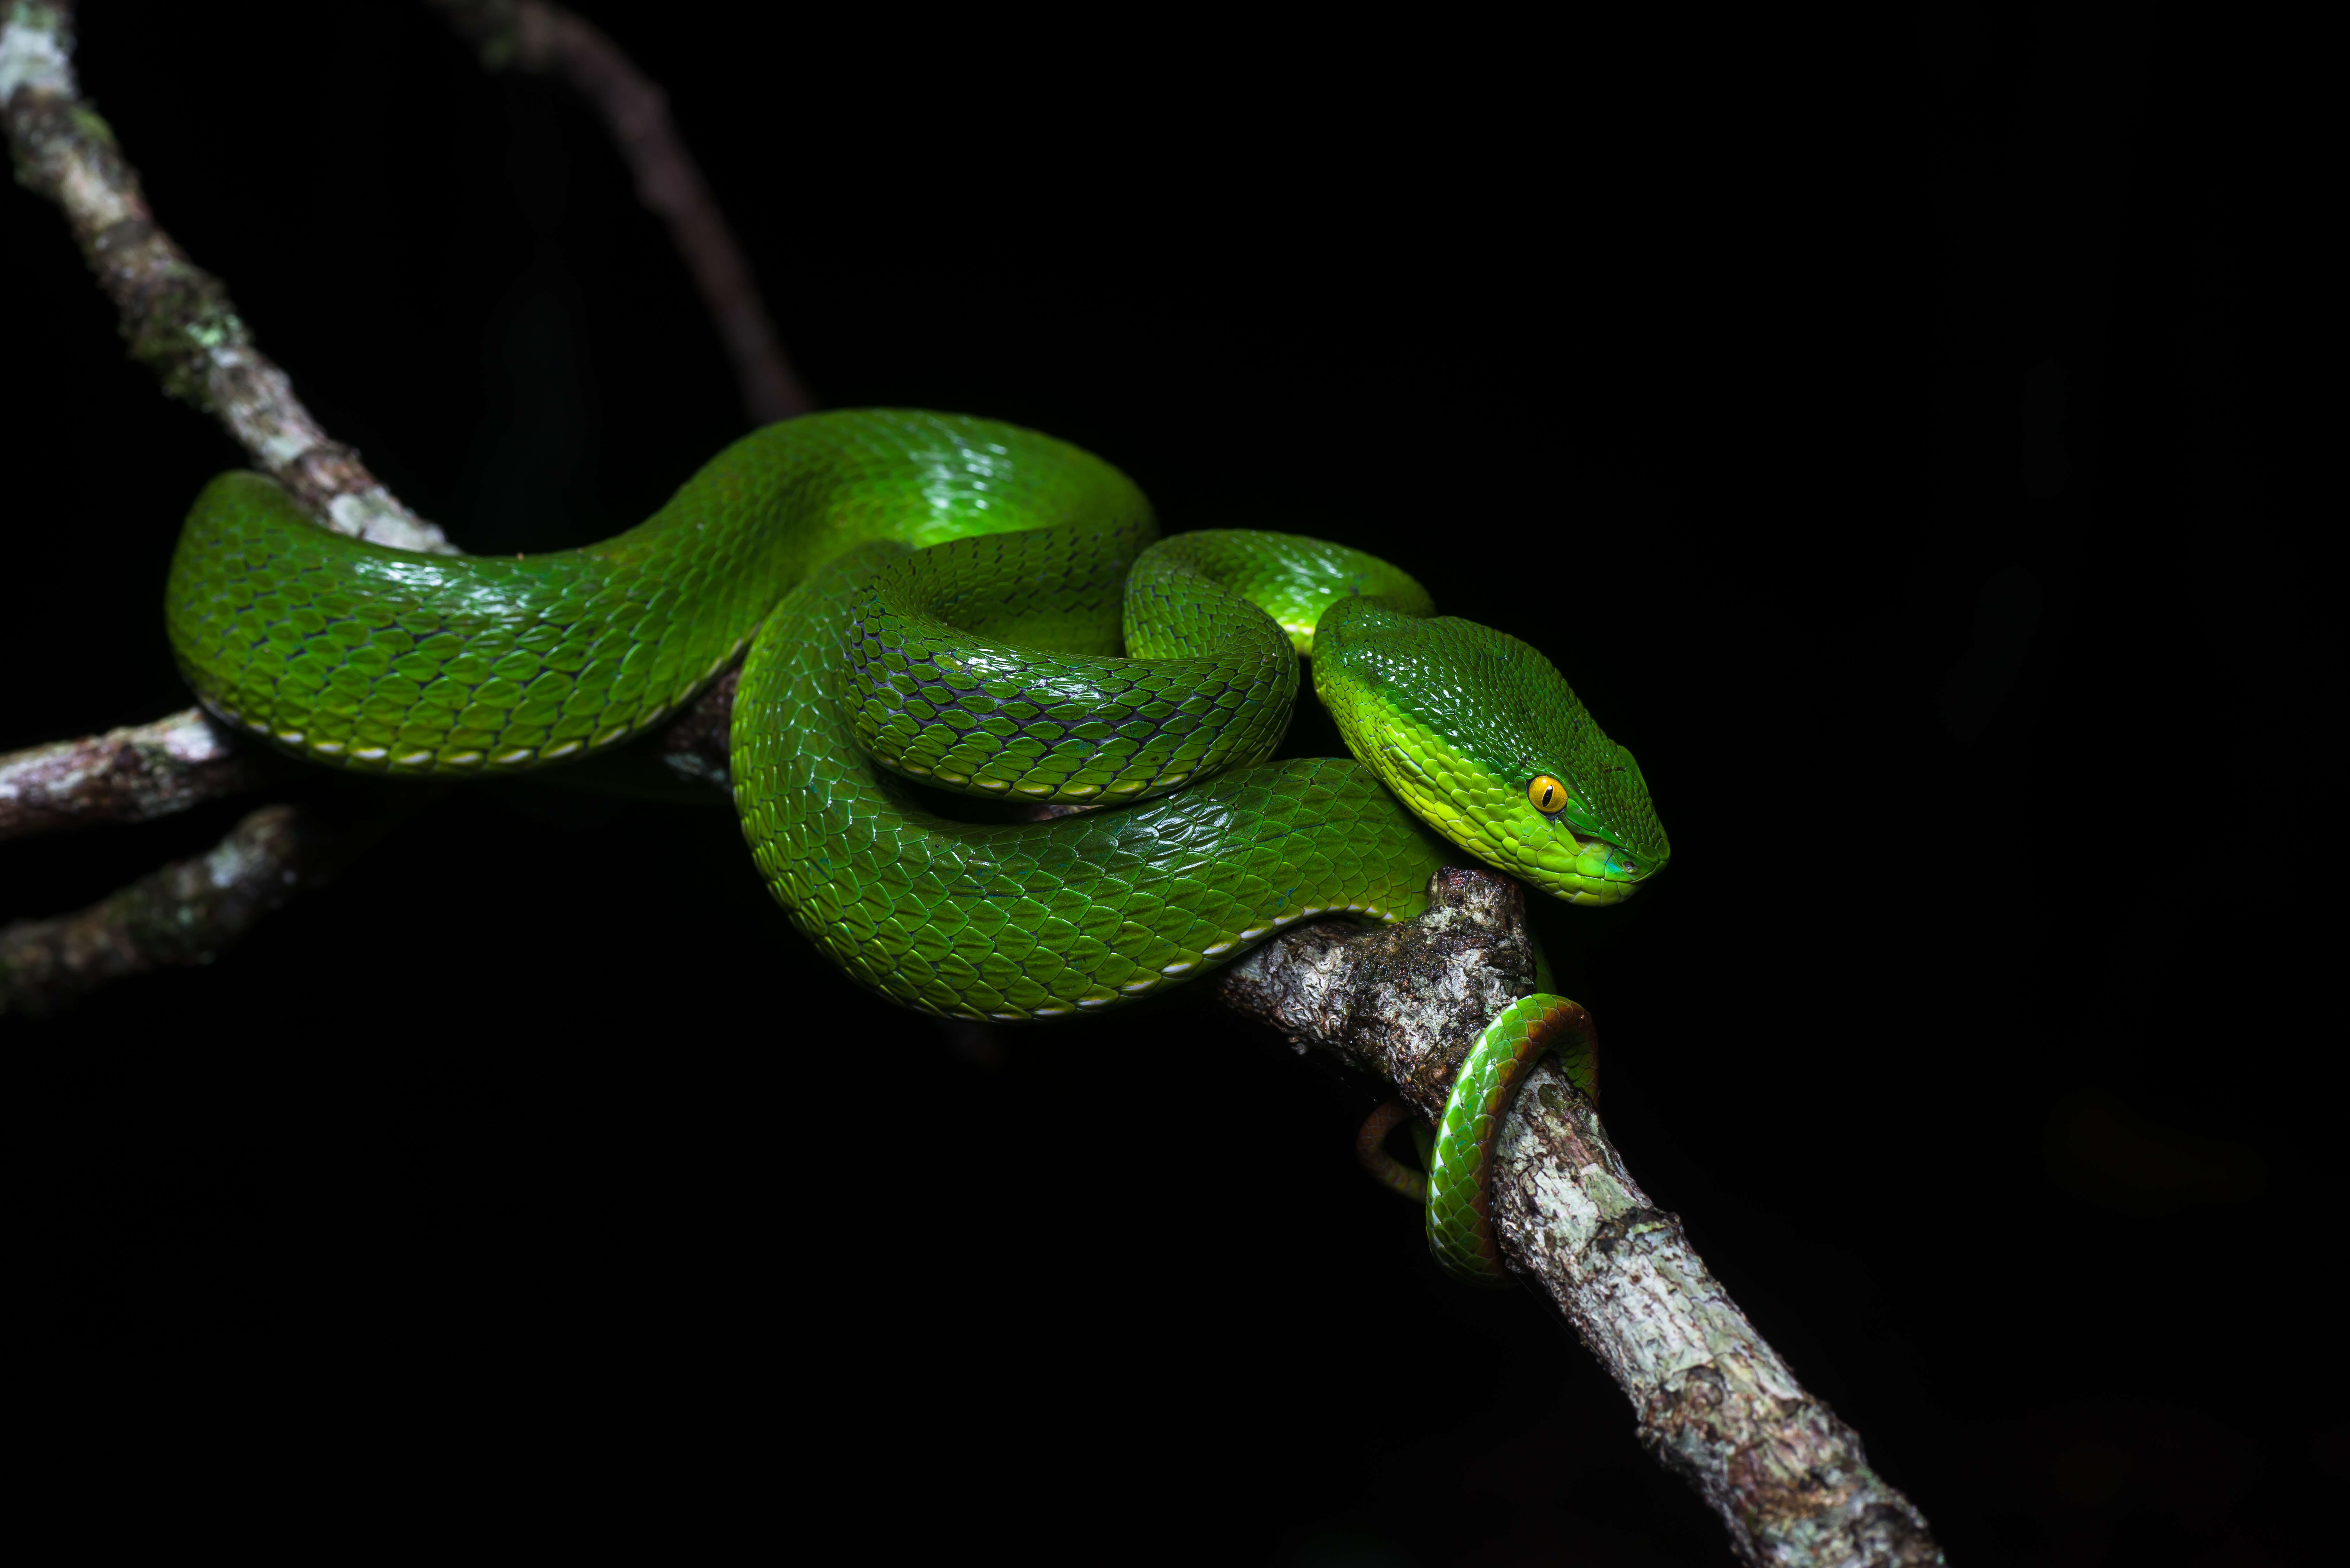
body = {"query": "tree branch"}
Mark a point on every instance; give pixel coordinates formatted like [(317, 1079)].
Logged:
[(130, 774), (549, 39), (1715, 1402), (176, 316), (186, 913)]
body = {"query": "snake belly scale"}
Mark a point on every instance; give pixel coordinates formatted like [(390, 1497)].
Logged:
[(935, 601)]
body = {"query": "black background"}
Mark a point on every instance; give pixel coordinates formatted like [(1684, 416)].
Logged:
[(1875, 423)]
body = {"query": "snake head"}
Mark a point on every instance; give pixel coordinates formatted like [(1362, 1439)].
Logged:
[(1481, 736)]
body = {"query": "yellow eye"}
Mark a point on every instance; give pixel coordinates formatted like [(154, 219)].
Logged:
[(1547, 792)]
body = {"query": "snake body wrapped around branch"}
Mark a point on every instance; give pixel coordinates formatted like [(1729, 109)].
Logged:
[(938, 603)]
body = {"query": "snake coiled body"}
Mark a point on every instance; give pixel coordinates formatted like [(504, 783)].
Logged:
[(933, 602)]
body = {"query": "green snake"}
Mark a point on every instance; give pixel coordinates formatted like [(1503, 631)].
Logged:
[(935, 602)]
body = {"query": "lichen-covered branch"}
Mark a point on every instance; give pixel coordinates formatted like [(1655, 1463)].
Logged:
[(1714, 1401), (176, 316), (186, 913), (554, 40), (129, 774)]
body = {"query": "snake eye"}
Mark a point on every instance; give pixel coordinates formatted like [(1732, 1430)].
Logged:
[(1547, 792)]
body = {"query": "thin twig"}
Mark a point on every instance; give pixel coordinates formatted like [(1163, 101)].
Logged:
[(549, 39), (186, 913), (1714, 1401), (176, 316)]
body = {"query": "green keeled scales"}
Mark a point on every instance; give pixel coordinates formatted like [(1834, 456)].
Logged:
[(981, 608)]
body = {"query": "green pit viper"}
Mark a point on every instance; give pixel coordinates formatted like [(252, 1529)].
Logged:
[(983, 609)]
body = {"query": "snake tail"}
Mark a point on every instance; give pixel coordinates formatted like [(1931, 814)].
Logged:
[(1460, 1173), (1371, 1149)]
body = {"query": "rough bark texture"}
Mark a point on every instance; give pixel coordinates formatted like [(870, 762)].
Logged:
[(129, 774), (185, 914), (175, 315), (1714, 1401), (552, 40), (1404, 1002)]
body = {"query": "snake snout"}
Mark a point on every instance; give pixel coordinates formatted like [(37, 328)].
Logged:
[(1624, 866)]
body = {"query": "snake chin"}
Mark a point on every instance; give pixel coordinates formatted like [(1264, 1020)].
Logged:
[(1594, 871)]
